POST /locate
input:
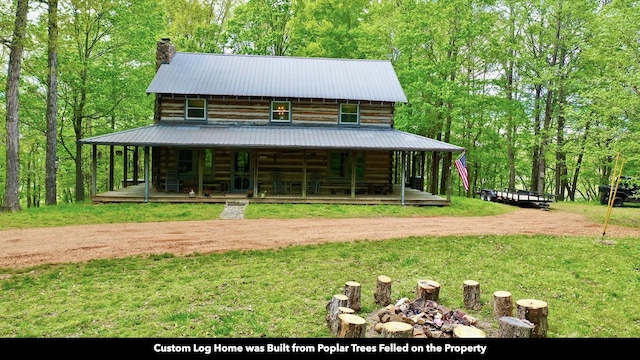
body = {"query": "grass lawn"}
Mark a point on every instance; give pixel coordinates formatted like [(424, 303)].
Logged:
[(591, 288)]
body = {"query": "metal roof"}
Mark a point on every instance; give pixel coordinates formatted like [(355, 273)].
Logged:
[(278, 76), (269, 136)]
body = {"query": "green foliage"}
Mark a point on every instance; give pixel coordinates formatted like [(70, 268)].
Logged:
[(454, 60)]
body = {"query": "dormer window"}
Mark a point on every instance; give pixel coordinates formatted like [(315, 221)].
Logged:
[(196, 109), (280, 111), (349, 114)]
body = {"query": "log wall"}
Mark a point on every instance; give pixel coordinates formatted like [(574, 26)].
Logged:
[(239, 110)]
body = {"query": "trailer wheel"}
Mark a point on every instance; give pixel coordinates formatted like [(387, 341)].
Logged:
[(484, 195), (617, 202)]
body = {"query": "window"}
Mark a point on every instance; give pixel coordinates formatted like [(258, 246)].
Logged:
[(280, 111), (349, 114), (196, 109), (186, 162), (340, 166), (208, 162)]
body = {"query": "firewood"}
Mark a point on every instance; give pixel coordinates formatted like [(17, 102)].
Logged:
[(334, 307), (471, 294), (396, 329), (502, 304), (352, 326), (464, 331), (428, 290), (353, 292), (536, 312), (382, 295), (511, 327)]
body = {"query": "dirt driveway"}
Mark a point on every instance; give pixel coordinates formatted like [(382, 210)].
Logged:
[(29, 247)]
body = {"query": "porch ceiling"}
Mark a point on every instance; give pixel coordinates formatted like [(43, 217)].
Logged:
[(302, 137)]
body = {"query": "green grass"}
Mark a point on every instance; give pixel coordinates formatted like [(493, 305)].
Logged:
[(88, 213), (591, 288), (627, 215)]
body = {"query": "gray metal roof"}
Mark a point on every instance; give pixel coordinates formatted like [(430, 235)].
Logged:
[(302, 137), (278, 76)]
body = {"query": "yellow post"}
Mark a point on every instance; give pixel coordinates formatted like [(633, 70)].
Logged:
[(613, 191)]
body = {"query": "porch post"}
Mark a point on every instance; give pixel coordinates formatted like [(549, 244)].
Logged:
[(449, 186), (404, 166), (125, 164), (255, 161), (94, 169), (200, 170), (304, 174), (111, 155), (353, 174), (135, 166), (146, 174)]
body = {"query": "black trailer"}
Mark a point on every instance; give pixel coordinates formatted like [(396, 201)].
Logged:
[(522, 198)]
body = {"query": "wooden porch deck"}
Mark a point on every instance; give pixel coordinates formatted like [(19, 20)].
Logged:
[(135, 193)]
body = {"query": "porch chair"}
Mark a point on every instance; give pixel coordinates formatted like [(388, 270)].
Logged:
[(313, 184), (172, 183), (279, 186)]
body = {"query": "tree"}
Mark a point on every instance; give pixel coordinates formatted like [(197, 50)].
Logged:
[(12, 190), (52, 106)]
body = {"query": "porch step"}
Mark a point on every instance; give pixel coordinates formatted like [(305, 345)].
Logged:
[(233, 210)]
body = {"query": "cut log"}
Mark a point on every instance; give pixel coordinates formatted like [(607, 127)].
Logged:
[(428, 290), (353, 292), (511, 327), (334, 307), (352, 326), (535, 311), (468, 332), (382, 295), (396, 329), (502, 304), (471, 294)]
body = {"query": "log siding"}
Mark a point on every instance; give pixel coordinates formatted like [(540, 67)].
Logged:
[(255, 111)]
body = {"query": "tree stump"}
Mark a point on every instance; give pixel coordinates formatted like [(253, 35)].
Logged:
[(471, 294), (382, 295), (397, 329), (511, 327), (428, 290), (334, 307), (535, 311), (351, 326), (502, 304), (468, 332), (353, 292)]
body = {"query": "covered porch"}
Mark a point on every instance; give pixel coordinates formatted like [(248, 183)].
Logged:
[(274, 164), (136, 194)]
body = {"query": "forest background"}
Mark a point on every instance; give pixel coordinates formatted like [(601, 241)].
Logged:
[(543, 94)]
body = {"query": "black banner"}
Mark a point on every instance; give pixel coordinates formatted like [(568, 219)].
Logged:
[(327, 348)]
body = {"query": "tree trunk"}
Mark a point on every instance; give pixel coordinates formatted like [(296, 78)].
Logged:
[(12, 189), (536, 312), (52, 107)]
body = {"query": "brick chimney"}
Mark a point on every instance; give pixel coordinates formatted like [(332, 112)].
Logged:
[(164, 52)]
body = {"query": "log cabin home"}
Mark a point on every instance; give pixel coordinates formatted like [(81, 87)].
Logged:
[(271, 129)]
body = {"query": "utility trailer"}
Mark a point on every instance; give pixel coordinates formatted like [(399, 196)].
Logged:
[(522, 198)]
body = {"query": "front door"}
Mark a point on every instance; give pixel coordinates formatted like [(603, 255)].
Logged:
[(241, 176)]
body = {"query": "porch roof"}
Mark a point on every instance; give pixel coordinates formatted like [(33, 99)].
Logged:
[(301, 137)]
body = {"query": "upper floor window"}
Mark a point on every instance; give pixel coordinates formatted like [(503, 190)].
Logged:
[(196, 109), (280, 111), (349, 114)]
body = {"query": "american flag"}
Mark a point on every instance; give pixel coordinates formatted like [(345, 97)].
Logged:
[(461, 165)]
